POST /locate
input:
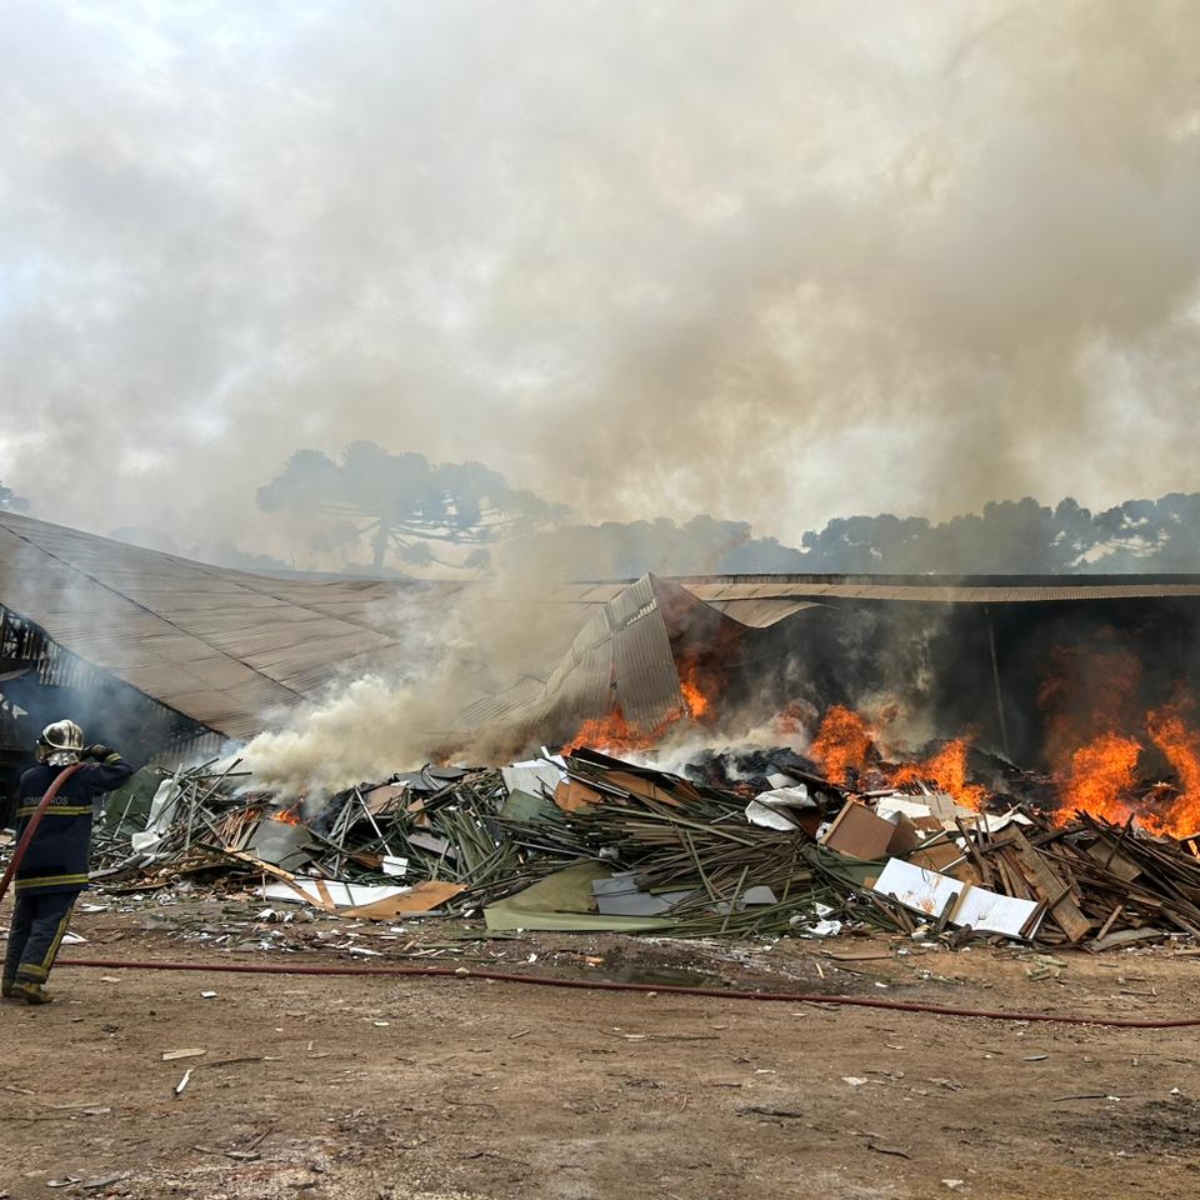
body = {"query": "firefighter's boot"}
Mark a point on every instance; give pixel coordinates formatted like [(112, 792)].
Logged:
[(31, 993)]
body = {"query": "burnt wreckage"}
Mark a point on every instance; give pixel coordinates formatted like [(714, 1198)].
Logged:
[(174, 659)]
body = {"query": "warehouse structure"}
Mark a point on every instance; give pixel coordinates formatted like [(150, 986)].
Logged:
[(172, 658)]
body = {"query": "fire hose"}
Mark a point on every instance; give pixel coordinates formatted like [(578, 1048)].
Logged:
[(605, 985), (34, 821), (595, 985)]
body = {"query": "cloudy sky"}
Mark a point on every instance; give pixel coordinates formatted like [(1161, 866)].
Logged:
[(772, 261)]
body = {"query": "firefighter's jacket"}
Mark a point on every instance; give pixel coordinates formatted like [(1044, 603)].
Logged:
[(57, 858)]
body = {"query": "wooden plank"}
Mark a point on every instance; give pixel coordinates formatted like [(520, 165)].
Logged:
[(1016, 885), (1114, 862), (977, 858), (1106, 928), (1048, 885)]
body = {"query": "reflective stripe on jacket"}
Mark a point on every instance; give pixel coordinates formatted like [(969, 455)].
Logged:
[(57, 858)]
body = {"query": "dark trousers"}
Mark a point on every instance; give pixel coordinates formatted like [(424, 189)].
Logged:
[(39, 923)]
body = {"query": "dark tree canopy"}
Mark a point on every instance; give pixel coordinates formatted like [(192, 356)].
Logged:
[(1018, 537), (407, 507), (617, 550), (408, 504)]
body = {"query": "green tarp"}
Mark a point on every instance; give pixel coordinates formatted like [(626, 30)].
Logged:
[(564, 902)]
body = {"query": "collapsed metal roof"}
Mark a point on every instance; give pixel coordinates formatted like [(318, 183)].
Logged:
[(225, 648), (741, 593), (232, 649), (624, 658)]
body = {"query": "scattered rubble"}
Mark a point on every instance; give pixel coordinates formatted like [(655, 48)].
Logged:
[(588, 842)]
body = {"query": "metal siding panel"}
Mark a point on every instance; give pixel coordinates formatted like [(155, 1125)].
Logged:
[(222, 646), (587, 690), (647, 680), (762, 612), (503, 706), (922, 590)]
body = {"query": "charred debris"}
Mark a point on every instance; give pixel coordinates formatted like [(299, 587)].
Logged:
[(758, 843)]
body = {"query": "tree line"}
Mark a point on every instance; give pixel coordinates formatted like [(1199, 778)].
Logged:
[(415, 514), (371, 510)]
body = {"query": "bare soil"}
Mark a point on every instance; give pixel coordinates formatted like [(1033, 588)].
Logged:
[(398, 1089)]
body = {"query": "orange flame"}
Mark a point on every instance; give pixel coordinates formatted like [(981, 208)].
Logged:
[(1096, 735), (1101, 775), (694, 699), (1090, 690), (841, 745), (288, 816), (616, 733), (1180, 746), (947, 771), (1089, 702)]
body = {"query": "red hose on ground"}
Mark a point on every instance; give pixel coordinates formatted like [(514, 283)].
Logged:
[(31, 828), (605, 985)]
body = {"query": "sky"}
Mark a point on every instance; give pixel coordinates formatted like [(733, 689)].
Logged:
[(770, 261)]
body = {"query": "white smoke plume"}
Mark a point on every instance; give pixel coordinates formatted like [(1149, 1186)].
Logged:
[(773, 262), (408, 713), (367, 730)]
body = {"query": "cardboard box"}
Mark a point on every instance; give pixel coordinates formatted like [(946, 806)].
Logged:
[(905, 838), (937, 858), (571, 795), (859, 833), (645, 788)]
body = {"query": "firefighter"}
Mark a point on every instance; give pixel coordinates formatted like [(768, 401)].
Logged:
[(55, 867)]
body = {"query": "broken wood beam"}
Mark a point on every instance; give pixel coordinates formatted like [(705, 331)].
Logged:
[(1049, 886)]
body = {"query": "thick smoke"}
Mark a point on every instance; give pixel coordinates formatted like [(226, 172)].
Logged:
[(408, 712), (772, 262)]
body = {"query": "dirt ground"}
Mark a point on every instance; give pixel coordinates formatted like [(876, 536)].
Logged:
[(397, 1089)]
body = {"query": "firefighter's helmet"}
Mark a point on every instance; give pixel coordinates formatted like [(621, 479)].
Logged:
[(60, 743)]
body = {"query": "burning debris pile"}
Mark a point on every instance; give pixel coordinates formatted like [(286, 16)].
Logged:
[(958, 844)]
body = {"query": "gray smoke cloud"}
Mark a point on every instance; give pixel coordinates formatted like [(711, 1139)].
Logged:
[(374, 721), (773, 262)]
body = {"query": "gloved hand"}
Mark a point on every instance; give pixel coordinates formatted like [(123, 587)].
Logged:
[(97, 752)]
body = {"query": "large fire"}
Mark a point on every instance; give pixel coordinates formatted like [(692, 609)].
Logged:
[(1088, 690), (947, 771), (1103, 777), (694, 699), (842, 745), (1100, 773), (616, 734), (1101, 751), (1097, 738), (1179, 744), (845, 744)]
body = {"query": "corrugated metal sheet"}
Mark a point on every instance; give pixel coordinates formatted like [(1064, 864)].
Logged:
[(624, 644), (526, 693), (761, 612), (221, 647), (647, 679), (914, 588), (620, 658), (582, 685), (225, 647), (922, 590)]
